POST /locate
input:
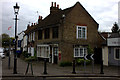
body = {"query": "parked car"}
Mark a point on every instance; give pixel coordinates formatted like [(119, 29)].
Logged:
[(2, 55)]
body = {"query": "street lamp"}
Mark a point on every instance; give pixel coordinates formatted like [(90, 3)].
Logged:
[(16, 9)]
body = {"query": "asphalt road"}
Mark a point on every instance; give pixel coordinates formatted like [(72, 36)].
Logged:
[(61, 78)]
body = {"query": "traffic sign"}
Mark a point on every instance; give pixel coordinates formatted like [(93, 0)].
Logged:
[(85, 56), (92, 56), (88, 56)]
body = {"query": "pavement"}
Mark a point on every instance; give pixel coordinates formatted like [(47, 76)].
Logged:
[(54, 70)]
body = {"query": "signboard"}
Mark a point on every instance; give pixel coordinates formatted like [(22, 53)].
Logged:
[(89, 56), (113, 41)]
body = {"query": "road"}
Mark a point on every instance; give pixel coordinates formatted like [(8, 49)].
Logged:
[(61, 78)]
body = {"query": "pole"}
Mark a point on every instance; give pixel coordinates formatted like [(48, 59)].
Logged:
[(45, 66), (15, 56), (101, 72), (9, 54), (92, 66), (74, 67)]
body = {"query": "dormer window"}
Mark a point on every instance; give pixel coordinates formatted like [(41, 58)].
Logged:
[(81, 32)]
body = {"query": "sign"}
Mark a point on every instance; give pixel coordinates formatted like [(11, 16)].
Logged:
[(92, 56), (113, 41), (85, 56), (88, 56)]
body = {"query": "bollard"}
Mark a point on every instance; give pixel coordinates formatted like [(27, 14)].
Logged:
[(45, 67), (92, 66), (101, 71), (74, 67)]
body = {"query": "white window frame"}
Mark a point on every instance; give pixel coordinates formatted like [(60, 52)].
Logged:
[(43, 51), (115, 53), (79, 54), (77, 32)]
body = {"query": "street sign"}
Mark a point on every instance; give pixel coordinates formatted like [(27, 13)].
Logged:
[(92, 56), (88, 56), (85, 56)]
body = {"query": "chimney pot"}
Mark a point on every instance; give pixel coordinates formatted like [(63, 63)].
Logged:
[(39, 17), (32, 24), (55, 4), (52, 4), (58, 6)]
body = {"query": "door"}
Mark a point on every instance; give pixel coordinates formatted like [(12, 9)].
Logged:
[(55, 55)]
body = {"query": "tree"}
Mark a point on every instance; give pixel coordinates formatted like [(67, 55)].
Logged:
[(115, 28), (5, 39)]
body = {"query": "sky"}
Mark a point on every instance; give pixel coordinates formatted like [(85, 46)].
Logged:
[(105, 12)]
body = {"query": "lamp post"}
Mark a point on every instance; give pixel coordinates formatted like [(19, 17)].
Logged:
[(16, 9)]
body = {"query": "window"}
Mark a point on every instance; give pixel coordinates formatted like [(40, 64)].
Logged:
[(39, 34), (81, 32), (117, 53), (80, 51), (33, 36), (55, 32), (43, 51), (47, 33)]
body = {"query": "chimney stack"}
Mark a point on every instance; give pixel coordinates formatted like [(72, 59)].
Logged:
[(54, 8), (40, 19), (28, 26)]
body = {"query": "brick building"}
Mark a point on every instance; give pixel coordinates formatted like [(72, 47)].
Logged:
[(63, 34)]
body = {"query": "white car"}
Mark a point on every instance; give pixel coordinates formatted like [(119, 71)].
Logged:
[(2, 55)]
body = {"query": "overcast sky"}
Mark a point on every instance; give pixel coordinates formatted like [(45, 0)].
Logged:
[(105, 12)]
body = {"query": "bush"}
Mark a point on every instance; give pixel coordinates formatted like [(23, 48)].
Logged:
[(31, 58), (63, 64), (81, 61)]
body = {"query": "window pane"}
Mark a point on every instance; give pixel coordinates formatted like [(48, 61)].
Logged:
[(81, 52), (79, 27), (76, 52), (39, 34), (83, 32), (79, 33), (117, 54), (47, 33), (55, 32)]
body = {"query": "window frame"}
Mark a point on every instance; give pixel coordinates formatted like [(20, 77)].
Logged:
[(80, 35), (40, 34), (115, 53), (43, 51), (79, 54), (47, 33), (55, 32)]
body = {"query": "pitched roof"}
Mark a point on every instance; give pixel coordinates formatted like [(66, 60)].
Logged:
[(55, 18)]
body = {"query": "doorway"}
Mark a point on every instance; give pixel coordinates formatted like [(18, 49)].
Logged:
[(55, 55)]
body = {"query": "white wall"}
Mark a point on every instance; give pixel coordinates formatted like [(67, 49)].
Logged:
[(105, 55)]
